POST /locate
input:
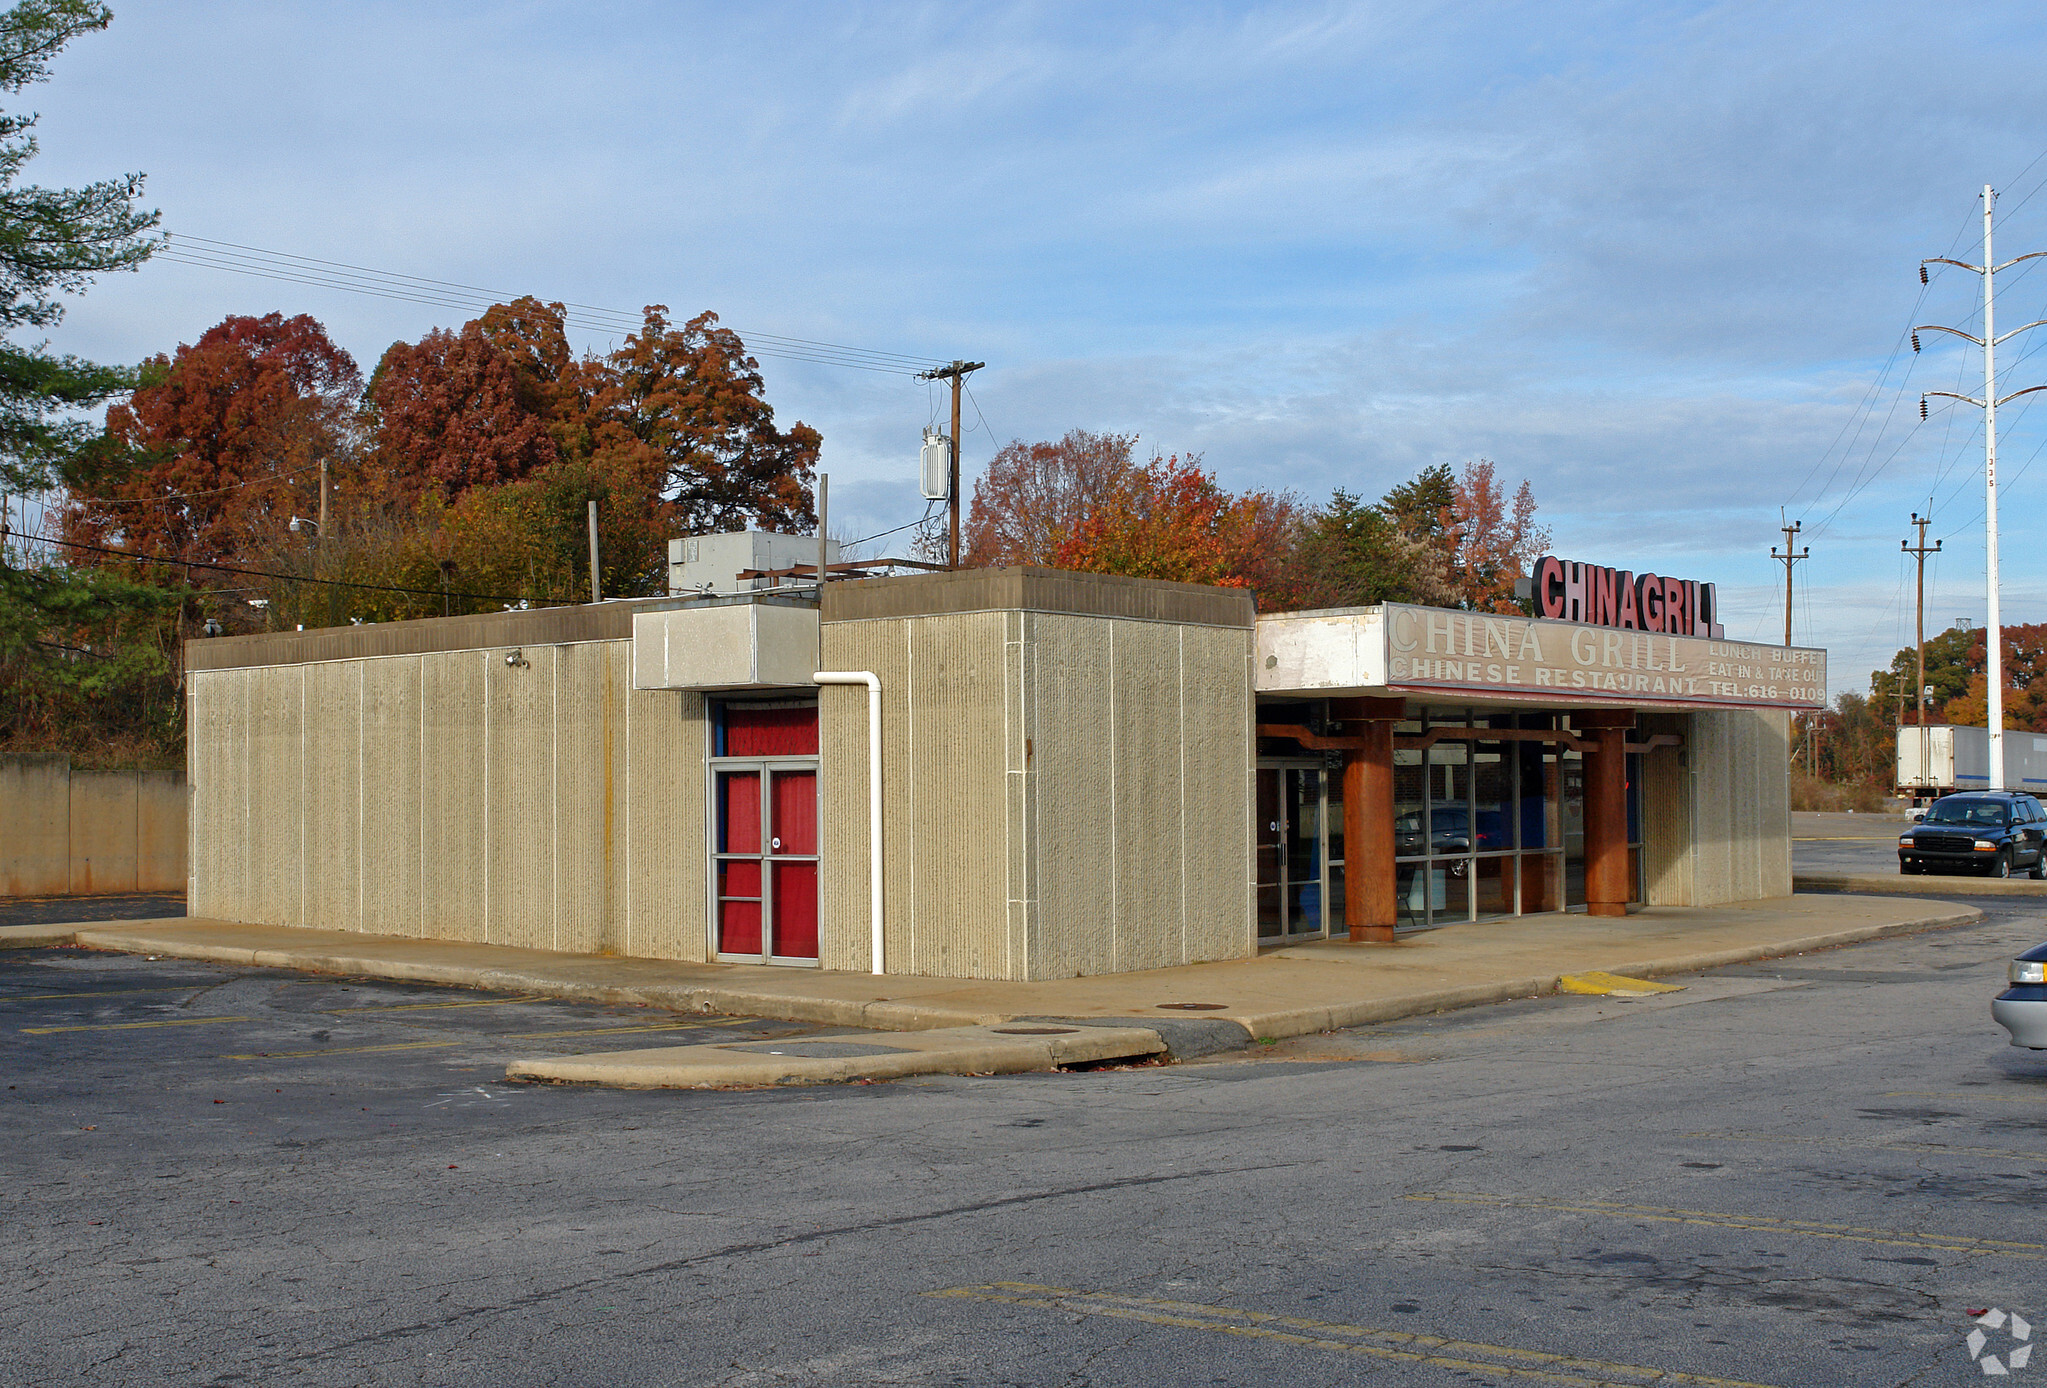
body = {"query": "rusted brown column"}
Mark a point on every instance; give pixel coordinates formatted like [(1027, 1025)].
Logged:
[(1370, 908), (1606, 810)]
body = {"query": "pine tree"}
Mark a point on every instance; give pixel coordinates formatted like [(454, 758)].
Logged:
[(52, 242)]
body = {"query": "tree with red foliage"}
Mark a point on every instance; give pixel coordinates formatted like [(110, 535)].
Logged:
[(1171, 520), (221, 444), (454, 412), (1034, 496)]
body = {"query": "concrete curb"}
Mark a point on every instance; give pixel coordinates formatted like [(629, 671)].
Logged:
[(950, 1051), (1183, 1036), (1897, 884), (37, 936), (1274, 1026), (740, 1002), (1184, 1040)]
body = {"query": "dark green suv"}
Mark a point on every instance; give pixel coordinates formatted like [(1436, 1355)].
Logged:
[(1992, 832)]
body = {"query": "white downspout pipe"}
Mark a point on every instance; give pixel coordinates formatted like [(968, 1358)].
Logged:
[(873, 683)]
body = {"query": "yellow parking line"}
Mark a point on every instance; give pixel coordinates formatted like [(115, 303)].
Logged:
[(132, 1026), (427, 1006), (103, 993), (1946, 1243), (466, 1037), (1923, 1149), (1470, 1356), (1965, 1094), (347, 1050)]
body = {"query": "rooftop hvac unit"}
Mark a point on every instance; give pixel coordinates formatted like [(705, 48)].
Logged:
[(935, 471)]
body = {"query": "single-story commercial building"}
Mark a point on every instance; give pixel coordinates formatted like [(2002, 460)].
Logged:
[(1006, 774)]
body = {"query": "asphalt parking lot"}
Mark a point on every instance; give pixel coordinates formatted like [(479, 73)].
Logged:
[(240, 1030), (60, 910), (1798, 1172)]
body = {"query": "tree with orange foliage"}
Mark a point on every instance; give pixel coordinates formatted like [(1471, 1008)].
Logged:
[(1492, 545), (686, 407), (1170, 520), (1034, 496), (221, 444)]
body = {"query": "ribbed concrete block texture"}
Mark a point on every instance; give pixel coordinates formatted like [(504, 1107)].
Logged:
[(1667, 804), (1064, 794), (450, 795), (1740, 805)]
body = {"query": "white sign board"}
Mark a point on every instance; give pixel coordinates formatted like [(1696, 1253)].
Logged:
[(1426, 652)]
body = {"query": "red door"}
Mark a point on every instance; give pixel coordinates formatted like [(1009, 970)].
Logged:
[(764, 836)]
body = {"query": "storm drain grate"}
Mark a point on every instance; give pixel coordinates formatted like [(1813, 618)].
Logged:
[(1194, 1006), (1033, 1031)]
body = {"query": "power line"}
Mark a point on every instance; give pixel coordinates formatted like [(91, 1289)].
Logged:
[(296, 578), (230, 250), (234, 257), (184, 496)]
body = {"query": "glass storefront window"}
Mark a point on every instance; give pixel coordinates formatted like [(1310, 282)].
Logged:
[(1483, 827)]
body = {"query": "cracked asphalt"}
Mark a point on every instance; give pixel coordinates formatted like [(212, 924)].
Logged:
[(1800, 1172)]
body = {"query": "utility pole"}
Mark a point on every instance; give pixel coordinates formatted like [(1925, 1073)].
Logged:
[(320, 547), (1994, 638), (1789, 557), (957, 373), (596, 586), (1919, 552)]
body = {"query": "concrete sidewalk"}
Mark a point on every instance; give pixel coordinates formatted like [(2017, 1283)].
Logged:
[(1284, 992)]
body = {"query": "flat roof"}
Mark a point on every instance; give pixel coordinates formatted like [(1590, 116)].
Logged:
[(539, 626), (1032, 589)]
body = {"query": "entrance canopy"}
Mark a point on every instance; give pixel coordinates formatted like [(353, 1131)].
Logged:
[(1475, 657)]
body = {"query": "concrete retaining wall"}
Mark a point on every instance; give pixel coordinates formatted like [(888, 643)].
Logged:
[(74, 833)]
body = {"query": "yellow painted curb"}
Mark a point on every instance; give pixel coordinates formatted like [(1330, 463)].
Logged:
[(1600, 984)]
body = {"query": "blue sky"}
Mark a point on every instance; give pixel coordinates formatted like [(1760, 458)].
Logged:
[(1658, 259)]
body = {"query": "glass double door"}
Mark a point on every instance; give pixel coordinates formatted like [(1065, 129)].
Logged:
[(1295, 878), (764, 861)]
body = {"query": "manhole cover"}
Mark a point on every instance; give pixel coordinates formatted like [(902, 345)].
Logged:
[(1033, 1031), (1195, 1006)]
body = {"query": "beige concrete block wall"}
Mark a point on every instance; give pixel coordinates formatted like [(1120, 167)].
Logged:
[(1667, 802), (1064, 794), (945, 827), (449, 795), (1141, 815), (66, 832), (1734, 788), (35, 826)]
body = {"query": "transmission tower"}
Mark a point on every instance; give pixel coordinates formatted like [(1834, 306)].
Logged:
[(1994, 638)]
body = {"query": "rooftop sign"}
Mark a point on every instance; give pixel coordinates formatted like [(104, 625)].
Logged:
[(1595, 595), (1427, 651)]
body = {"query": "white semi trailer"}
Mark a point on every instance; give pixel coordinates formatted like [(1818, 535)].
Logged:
[(1940, 759)]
